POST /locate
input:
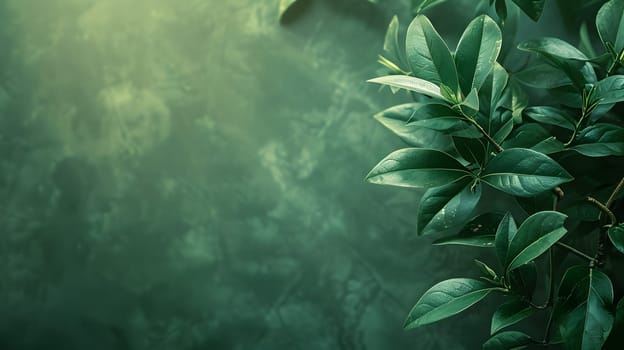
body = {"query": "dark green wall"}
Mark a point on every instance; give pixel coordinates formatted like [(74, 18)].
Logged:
[(189, 175)]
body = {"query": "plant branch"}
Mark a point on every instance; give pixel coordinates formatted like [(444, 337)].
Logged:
[(614, 194), (576, 252), (498, 147), (603, 208)]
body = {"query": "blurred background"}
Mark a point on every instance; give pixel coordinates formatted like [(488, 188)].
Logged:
[(189, 175)]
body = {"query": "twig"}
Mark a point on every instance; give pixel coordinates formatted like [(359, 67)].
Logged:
[(614, 194), (603, 208), (577, 252)]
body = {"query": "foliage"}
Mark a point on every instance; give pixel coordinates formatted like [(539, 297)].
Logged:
[(541, 161)]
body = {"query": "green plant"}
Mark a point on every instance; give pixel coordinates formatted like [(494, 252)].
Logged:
[(557, 167)]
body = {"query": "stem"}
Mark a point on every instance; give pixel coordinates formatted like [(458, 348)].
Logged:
[(498, 147), (604, 209), (576, 129), (577, 252), (548, 326), (616, 191)]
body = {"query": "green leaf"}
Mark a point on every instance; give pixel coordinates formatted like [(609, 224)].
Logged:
[(616, 337), (610, 89), (478, 232), (508, 341), (537, 233), (470, 105), (487, 271), (428, 55), (510, 313), (542, 76), (551, 116), (616, 235), (442, 118), (417, 167), (410, 83), (391, 42), (535, 137), (477, 52), (610, 25), (446, 299), (588, 324), (426, 4), (567, 57), (492, 89), (447, 207), (504, 234), (600, 140), (524, 173), (396, 119), (533, 8)]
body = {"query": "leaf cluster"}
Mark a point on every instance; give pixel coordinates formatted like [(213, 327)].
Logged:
[(473, 135)]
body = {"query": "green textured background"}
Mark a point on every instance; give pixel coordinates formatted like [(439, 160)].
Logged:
[(189, 175)]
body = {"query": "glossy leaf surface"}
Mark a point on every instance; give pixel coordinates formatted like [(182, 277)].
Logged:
[(610, 24), (536, 234), (477, 52), (588, 294), (600, 140), (511, 340), (428, 55), (510, 313), (409, 83), (616, 235), (396, 119), (446, 299), (523, 172), (417, 167), (447, 207)]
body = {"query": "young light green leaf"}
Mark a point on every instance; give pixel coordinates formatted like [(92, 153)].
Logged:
[(610, 89), (478, 232), (426, 4), (477, 52), (447, 207), (391, 41), (446, 299), (600, 140), (588, 325), (511, 340), (410, 83), (524, 173), (487, 271), (428, 55), (537, 233), (504, 234), (510, 313), (551, 116), (616, 235), (417, 167), (533, 8), (396, 119), (610, 25)]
